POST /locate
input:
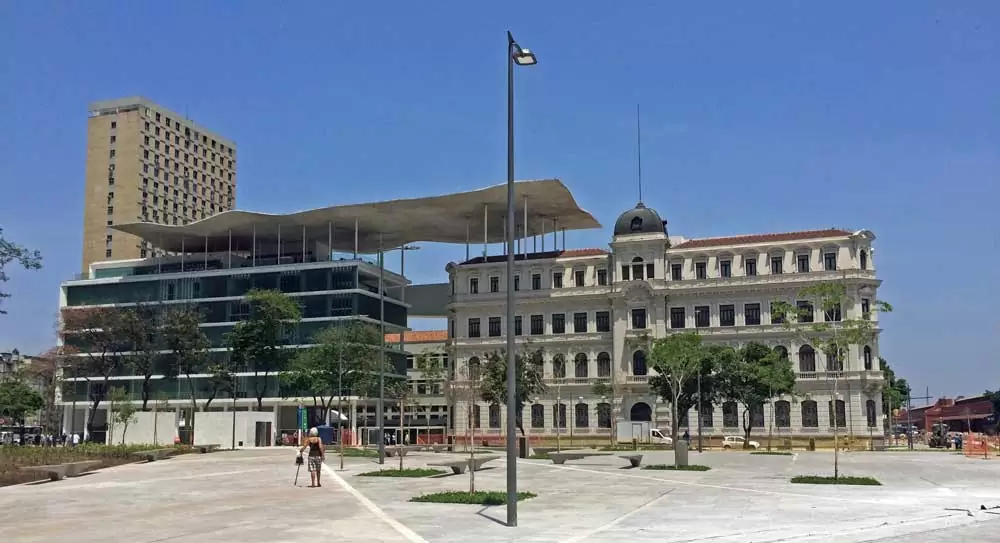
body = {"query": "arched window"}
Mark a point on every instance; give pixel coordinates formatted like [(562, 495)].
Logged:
[(581, 366), (868, 358), (604, 365), (559, 366), (841, 413), (730, 415), (864, 259), (475, 416), (639, 363), (707, 415), (538, 416), (870, 413), (810, 414), (637, 269), (604, 415), (782, 352), (757, 415), (474, 368), (494, 416), (807, 359), (559, 416), (782, 414), (581, 414), (834, 359)]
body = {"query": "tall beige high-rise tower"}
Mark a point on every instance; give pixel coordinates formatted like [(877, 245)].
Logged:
[(147, 163)]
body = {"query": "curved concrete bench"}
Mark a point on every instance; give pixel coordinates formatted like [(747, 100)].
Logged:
[(459, 466), (71, 469), (561, 458), (633, 459), (208, 448), (154, 454)]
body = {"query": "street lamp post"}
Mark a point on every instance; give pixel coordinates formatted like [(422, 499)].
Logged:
[(380, 408), (521, 57)]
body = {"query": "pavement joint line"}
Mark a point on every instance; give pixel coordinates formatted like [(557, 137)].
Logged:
[(707, 485), (587, 535), (112, 484), (409, 534)]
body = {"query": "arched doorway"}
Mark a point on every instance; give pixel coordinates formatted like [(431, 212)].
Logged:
[(641, 412)]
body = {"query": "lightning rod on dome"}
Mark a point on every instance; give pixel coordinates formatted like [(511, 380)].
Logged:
[(638, 148)]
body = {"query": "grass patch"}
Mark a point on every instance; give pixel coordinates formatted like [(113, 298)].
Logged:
[(12, 459), (642, 447), (473, 498), (671, 467), (412, 472), (541, 456), (353, 452), (773, 453), (829, 480)]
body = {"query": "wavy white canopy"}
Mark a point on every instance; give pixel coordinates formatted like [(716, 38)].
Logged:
[(450, 218)]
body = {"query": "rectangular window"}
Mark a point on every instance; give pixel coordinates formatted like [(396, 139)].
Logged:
[(494, 324), (639, 319), (557, 280), (114, 124), (751, 314), (700, 270), (649, 271), (494, 284), (625, 276), (578, 277), (701, 316), (866, 308), (112, 139), (675, 272), (474, 285), (637, 272), (473, 327), (517, 283), (677, 319), (603, 321), (558, 323), (830, 261), (579, 323), (602, 277), (725, 268), (805, 311), (833, 314), (776, 267), (727, 315), (750, 266), (803, 263), (111, 154), (518, 327), (537, 325), (536, 281)]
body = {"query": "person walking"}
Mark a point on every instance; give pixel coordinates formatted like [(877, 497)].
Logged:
[(317, 455)]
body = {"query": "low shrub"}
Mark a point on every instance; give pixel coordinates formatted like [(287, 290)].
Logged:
[(12, 459), (830, 480), (412, 472), (671, 467), (474, 498)]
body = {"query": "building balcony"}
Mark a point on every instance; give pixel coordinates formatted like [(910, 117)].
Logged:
[(500, 297), (783, 279)]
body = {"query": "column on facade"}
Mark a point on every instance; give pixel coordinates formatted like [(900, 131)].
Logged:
[(485, 231)]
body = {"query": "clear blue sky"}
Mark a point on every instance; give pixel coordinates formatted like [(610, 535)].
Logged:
[(773, 117)]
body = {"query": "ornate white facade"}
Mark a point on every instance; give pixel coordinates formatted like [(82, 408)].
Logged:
[(590, 310)]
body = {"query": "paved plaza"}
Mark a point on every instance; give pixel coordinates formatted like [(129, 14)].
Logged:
[(249, 496)]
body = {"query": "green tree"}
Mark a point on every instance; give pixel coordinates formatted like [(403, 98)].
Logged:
[(188, 346), (994, 398), (125, 412), (896, 389), (140, 329), (432, 370), (528, 374), (101, 334), (753, 376), (12, 252), (677, 359), (343, 361), (17, 400), (258, 343), (712, 359)]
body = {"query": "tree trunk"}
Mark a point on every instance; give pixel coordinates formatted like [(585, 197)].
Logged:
[(145, 390), (194, 408), (746, 428), (94, 403)]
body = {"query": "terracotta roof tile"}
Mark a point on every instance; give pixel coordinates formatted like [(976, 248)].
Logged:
[(762, 238), (539, 256), (419, 336)]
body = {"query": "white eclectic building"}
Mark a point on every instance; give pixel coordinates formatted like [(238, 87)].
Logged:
[(590, 310)]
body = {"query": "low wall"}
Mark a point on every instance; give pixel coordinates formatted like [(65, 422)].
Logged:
[(141, 429), (217, 427)]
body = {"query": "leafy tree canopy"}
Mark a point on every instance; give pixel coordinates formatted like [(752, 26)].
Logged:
[(529, 379), (754, 376), (17, 399), (12, 252)]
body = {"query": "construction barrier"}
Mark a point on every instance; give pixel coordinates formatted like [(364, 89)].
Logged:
[(980, 446)]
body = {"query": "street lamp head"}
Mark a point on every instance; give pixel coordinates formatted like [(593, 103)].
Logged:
[(523, 57)]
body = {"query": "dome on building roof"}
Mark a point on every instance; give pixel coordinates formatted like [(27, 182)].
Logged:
[(639, 220)]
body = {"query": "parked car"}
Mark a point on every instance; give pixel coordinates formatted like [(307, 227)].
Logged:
[(736, 442)]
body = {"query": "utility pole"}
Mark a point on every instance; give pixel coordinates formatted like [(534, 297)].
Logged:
[(909, 419)]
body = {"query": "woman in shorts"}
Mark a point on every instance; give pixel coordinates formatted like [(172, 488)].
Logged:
[(317, 455)]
